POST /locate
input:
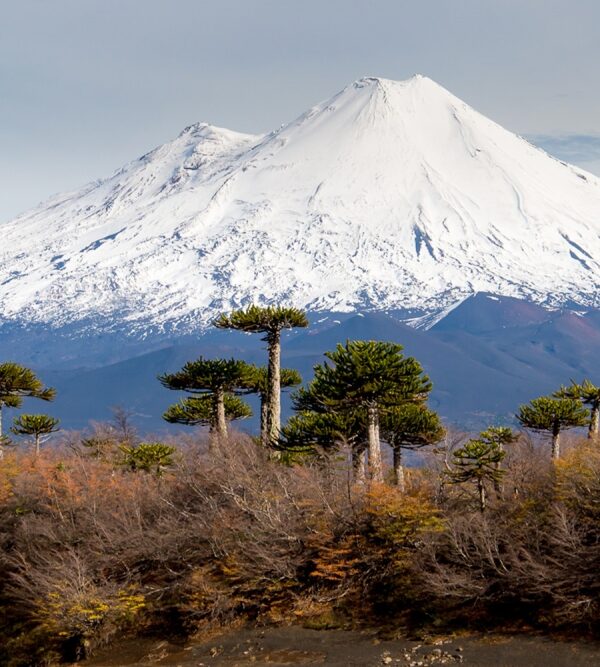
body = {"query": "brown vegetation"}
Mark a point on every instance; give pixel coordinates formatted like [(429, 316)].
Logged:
[(91, 548)]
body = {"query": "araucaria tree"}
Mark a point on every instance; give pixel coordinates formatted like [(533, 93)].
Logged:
[(215, 377), (316, 428), (499, 436), (409, 426), (588, 394), (368, 378), (201, 410), (270, 320), (148, 456), (16, 383), (478, 461), (38, 427), (259, 384), (553, 415)]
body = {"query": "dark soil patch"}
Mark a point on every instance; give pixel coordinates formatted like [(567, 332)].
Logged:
[(340, 648)]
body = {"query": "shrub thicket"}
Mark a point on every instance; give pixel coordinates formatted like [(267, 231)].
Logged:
[(92, 549)]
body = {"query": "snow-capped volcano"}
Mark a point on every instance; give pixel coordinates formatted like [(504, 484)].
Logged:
[(388, 195)]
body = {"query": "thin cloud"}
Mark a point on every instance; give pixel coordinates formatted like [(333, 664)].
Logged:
[(574, 148)]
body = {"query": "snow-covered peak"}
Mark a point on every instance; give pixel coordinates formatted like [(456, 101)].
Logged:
[(390, 194)]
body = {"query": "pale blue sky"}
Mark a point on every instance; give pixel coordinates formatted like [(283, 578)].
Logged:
[(86, 85)]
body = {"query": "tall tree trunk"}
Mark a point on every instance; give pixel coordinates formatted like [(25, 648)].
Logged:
[(375, 465), (220, 432), (359, 464), (555, 443), (481, 490), (264, 419), (399, 477), (274, 383), (594, 421)]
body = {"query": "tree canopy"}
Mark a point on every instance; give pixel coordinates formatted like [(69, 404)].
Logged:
[(589, 394), (364, 378), (553, 415), (196, 410), (36, 426), (478, 461), (148, 457), (16, 383), (409, 426), (205, 376), (366, 374), (215, 377), (270, 320)]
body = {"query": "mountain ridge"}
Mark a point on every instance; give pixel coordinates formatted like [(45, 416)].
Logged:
[(481, 369), (389, 195)]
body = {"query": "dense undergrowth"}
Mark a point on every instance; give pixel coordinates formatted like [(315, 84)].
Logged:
[(92, 550)]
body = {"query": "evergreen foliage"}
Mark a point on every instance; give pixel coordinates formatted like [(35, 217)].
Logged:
[(148, 457), (553, 415), (478, 461), (214, 377), (36, 426), (197, 410), (317, 429), (589, 394), (409, 426), (365, 373), (205, 376), (324, 430), (18, 382), (500, 435), (270, 320), (365, 378)]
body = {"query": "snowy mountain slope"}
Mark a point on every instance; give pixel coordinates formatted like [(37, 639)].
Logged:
[(388, 195)]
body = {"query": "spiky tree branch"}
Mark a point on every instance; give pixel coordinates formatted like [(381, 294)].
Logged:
[(365, 377), (36, 426), (215, 377), (553, 415), (16, 383)]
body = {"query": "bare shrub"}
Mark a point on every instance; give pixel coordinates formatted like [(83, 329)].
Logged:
[(91, 550)]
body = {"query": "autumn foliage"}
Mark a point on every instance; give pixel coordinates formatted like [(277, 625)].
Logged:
[(93, 548)]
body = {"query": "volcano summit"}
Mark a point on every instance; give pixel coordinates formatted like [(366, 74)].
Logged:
[(389, 195)]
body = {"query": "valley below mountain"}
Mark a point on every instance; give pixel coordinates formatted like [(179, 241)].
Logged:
[(392, 210), (486, 357)]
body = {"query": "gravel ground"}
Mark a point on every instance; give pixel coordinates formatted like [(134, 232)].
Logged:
[(339, 648)]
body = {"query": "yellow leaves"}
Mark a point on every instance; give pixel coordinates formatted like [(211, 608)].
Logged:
[(335, 562), (399, 517), (583, 460), (229, 568), (63, 615), (578, 480)]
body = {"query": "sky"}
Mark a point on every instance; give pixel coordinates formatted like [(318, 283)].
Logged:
[(88, 85)]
